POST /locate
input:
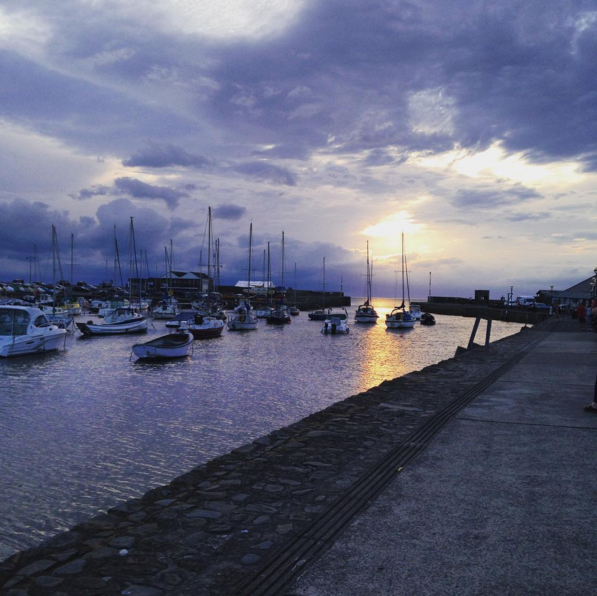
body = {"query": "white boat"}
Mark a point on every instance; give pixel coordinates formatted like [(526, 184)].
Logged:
[(400, 317), (335, 326), (263, 313), (120, 321), (365, 313), (173, 345), (203, 327), (415, 310), (243, 318), (26, 330), (166, 309)]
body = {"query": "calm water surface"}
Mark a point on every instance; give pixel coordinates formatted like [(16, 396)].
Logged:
[(84, 429)]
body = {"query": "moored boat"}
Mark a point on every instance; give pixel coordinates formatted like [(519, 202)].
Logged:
[(173, 345), (203, 327), (335, 326), (119, 322), (365, 313), (244, 317), (427, 319), (26, 330), (279, 316)]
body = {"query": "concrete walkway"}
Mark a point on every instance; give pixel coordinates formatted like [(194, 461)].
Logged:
[(503, 502)]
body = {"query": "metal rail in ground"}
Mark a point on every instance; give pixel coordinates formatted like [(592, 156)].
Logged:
[(295, 557)]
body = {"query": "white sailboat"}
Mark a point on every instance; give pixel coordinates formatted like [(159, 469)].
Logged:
[(122, 320), (365, 312), (400, 317), (244, 317)]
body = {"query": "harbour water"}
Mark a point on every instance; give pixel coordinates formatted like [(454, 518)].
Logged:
[(84, 429)]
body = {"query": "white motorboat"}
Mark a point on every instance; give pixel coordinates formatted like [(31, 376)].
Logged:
[(335, 326), (120, 321), (25, 330), (173, 345), (243, 318)]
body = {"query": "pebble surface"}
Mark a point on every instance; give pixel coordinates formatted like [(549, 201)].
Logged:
[(211, 529)]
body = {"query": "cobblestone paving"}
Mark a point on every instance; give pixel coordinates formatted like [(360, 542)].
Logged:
[(211, 529)]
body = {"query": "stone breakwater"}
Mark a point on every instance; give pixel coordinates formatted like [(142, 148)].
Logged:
[(212, 529)]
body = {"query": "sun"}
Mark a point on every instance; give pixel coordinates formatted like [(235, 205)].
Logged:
[(393, 225)]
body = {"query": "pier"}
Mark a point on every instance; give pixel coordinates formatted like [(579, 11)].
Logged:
[(472, 476)]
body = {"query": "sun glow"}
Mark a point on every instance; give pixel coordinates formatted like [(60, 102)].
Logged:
[(393, 225)]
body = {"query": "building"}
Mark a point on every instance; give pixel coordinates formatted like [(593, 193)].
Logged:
[(584, 290), (257, 287), (184, 284)]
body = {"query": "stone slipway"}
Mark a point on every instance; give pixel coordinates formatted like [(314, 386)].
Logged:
[(251, 521)]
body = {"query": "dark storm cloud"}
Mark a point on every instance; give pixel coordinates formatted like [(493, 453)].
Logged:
[(492, 198), (345, 74), (94, 191), (229, 211), (83, 113), (266, 172), (163, 156), (141, 190)]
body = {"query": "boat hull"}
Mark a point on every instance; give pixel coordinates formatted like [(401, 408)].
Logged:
[(164, 347), (22, 345), (89, 329), (237, 325), (371, 319), (207, 333), (335, 328)]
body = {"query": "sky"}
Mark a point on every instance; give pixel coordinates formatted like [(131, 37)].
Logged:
[(469, 126)]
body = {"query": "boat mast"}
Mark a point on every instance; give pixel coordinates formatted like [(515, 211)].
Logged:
[(54, 243), (283, 287), (368, 277), (208, 245), (133, 260), (117, 267), (269, 273), (295, 284), (72, 247), (250, 247), (402, 264), (323, 298)]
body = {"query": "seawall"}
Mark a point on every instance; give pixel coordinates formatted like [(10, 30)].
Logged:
[(268, 505)]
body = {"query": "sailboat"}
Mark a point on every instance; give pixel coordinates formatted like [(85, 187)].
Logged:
[(168, 307), (55, 315), (280, 315), (294, 309), (400, 318), (244, 318), (122, 320), (365, 312)]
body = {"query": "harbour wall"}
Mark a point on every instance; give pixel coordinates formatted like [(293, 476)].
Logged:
[(219, 528), (507, 314)]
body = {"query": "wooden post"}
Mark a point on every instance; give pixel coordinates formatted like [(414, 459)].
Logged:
[(471, 341), (488, 332)]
